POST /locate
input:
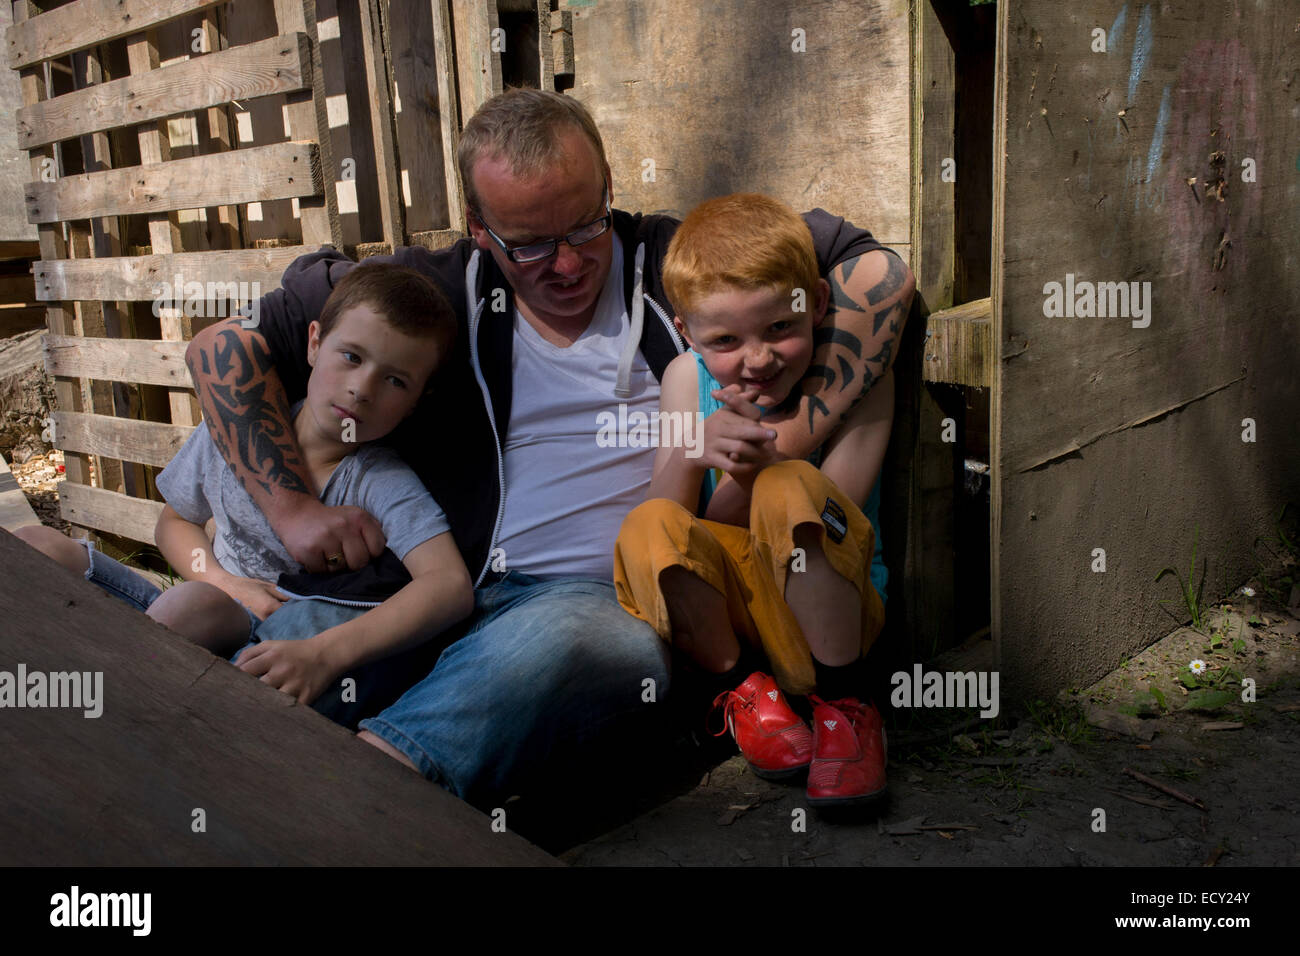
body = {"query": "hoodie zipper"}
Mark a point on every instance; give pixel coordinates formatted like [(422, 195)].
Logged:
[(668, 323), (330, 600), (476, 311)]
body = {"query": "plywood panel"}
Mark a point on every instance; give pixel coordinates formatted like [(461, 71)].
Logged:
[(179, 730), (1125, 432), (720, 101)]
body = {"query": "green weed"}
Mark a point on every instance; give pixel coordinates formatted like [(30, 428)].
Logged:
[(1065, 722), (1191, 597)]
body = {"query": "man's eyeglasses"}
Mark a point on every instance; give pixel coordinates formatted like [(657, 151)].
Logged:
[(537, 251)]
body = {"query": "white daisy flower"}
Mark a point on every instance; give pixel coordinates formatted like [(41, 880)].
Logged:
[(1197, 667)]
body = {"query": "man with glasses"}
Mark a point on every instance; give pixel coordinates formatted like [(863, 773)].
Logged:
[(563, 316)]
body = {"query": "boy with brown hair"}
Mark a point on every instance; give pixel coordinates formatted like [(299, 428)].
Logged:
[(802, 585), (382, 334)]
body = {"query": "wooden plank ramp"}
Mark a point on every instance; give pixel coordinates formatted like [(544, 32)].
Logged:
[(182, 731), (15, 510)]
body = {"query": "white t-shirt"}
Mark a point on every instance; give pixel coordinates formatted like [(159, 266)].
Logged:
[(566, 496)]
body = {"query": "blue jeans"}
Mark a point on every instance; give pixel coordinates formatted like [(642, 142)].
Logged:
[(130, 588), (542, 669), (375, 685)]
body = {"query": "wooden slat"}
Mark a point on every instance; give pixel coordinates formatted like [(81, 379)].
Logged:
[(118, 360), (541, 9), (278, 171), (109, 511), (223, 221), (179, 729), (959, 345), (998, 576), (15, 510), (448, 112), (149, 443), (164, 228), (270, 66), (562, 41), (934, 101), (478, 68), (108, 319), (306, 119), (387, 164), (87, 23), (137, 278)]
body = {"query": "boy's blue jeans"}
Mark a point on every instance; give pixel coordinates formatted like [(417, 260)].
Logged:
[(540, 669)]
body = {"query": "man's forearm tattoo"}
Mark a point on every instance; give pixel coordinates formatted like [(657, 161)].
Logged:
[(890, 283), (837, 339), (841, 301), (247, 428), (836, 364)]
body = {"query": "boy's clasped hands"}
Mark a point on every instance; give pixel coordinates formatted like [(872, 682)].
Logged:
[(734, 441)]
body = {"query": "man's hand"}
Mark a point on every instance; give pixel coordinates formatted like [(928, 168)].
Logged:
[(300, 669), (260, 597), (313, 533)]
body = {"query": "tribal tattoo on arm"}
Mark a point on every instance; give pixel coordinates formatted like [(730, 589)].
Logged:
[(855, 343), (247, 411)]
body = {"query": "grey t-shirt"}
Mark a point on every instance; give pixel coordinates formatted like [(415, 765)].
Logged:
[(199, 485)]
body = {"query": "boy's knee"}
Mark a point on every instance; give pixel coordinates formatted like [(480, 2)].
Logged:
[(652, 519), (784, 478), (189, 599)]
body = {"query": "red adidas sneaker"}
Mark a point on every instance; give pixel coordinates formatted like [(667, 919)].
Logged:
[(849, 749), (773, 740)]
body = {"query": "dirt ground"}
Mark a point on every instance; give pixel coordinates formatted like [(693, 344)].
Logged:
[(1053, 784), (1027, 788)]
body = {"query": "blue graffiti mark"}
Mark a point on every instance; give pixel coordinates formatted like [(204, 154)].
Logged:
[(1141, 48), (1117, 30), (1158, 137)]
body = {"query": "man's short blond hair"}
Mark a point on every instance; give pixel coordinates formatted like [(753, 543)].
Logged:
[(523, 127)]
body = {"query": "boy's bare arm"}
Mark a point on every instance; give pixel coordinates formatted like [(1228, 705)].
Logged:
[(730, 431), (439, 594), (677, 477), (247, 413), (179, 540)]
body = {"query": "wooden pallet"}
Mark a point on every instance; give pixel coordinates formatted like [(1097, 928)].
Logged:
[(110, 353)]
